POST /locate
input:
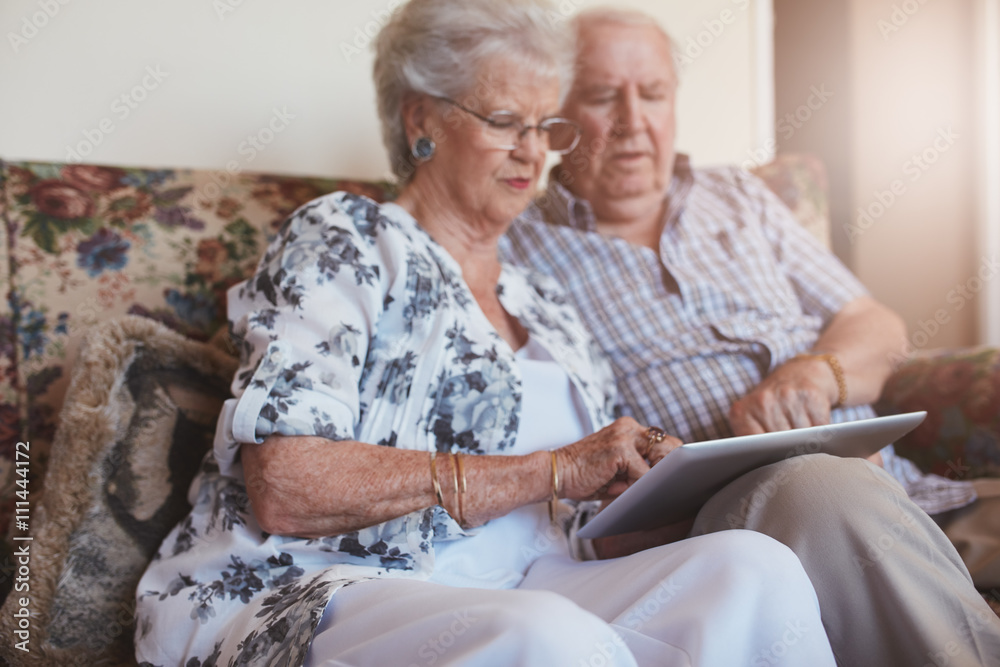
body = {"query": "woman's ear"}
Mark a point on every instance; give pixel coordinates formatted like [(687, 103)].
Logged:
[(415, 110)]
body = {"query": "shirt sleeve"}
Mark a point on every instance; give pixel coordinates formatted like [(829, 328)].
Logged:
[(821, 281), (303, 324)]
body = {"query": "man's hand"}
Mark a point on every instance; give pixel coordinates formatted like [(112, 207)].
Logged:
[(868, 340), (797, 394)]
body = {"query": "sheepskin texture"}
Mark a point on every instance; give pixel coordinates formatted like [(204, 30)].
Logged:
[(138, 418)]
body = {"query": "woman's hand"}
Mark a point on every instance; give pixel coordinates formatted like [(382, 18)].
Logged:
[(604, 464)]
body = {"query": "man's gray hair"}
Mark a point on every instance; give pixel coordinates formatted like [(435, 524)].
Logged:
[(441, 47), (628, 17)]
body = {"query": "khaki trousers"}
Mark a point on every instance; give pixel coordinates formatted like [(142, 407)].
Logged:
[(892, 589)]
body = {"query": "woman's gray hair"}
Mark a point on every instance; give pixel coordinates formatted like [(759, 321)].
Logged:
[(440, 47)]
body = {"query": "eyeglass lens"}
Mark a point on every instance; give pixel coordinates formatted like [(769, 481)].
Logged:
[(506, 129)]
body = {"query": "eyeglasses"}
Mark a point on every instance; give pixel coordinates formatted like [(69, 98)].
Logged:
[(506, 129)]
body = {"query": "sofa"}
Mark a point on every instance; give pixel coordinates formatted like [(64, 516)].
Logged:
[(114, 364)]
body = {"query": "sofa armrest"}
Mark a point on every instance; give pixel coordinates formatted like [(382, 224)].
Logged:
[(960, 390)]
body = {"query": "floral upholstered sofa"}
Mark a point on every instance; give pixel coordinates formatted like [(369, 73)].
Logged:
[(115, 282)]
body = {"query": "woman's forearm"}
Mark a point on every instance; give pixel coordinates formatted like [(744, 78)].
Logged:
[(311, 487)]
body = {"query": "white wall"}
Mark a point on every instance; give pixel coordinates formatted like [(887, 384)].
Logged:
[(199, 77)]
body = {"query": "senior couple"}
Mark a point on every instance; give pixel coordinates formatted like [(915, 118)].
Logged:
[(421, 427)]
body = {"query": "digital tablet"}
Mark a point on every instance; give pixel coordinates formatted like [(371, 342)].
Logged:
[(676, 487)]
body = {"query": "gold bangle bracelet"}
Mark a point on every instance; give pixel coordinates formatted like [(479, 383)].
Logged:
[(461, 489), (454, 479), (838, 373), (555, 487), (434, 479)]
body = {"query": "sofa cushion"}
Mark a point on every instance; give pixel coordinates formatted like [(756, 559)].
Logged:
[(139, 416), (960, 390)]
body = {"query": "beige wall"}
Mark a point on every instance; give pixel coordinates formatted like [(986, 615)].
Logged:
[(223, 67), (901, 139), (988, 107), (915, 128)]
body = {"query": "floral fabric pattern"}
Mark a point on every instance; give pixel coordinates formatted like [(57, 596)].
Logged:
[(960, 390), (800, 182), (345, 280)]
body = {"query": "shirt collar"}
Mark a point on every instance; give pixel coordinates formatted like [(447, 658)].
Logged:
[(562, 207)]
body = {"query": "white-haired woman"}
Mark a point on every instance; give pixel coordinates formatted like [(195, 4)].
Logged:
[(406, 406)]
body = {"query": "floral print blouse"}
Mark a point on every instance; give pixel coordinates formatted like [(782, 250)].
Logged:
[(356, 325)]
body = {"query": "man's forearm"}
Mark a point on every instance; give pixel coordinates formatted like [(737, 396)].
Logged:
[(869, 341)]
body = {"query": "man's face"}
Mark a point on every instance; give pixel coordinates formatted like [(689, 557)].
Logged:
[(623, 98)]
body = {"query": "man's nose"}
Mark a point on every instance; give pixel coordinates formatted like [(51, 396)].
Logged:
[(630, 114)]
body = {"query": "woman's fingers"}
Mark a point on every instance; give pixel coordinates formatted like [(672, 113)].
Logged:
[(661, 449), (606, 463)]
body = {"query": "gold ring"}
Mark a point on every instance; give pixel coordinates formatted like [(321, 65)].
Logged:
[(654, 436)]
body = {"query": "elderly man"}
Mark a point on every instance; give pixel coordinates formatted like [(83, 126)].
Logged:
[(722, 316)]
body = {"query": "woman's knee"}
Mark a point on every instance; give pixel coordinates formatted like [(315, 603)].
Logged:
[(528, 611), (749, 557), (546, 625)]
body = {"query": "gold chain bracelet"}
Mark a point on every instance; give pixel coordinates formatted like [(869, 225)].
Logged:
[(838, 373)]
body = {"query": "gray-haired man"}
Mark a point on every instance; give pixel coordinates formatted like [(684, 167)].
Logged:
[(722, 316)]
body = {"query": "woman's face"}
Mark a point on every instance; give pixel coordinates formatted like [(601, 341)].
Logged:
[(484, 183)]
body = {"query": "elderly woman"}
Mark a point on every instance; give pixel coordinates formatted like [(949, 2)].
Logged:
[(409, 412)]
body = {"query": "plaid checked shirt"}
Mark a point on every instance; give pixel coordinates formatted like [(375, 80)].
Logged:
[(737, 288)]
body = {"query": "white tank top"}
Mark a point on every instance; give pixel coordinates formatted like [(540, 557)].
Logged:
[(499, 555)]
